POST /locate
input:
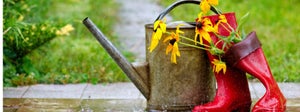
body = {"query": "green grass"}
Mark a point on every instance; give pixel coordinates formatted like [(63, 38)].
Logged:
[(79, 57), (24, 31), (276, 24), (76, 58)]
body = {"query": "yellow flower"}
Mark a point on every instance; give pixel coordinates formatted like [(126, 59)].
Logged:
[(173, 44), (222, 19), (203, 27), (206, 4), (160, 24), (158, 30), (43, 28), (65, 30), (21, 18), (218, 66), (178, 31)]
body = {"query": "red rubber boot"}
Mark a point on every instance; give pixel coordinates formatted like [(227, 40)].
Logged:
[(249, 57), (233, 91)]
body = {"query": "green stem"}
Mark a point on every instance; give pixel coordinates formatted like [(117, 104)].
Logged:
[(193, 46), (218, 10), (186, 38), (6, 30), (233, 31), (223, 47)]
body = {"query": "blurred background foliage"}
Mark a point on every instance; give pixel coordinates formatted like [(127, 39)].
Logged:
[(23, 32), (35, 53), (275, 22)]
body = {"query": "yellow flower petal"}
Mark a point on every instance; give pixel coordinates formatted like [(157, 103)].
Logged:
[(158, 34), (216, 27), (200, 15), (218, 66), (222, 19), (64, 30), (207, 25), (204, 35), (173, 46), (169, 37), (159, 24), (169, 48), (176, 49), (205, 7), (163, 27), (175, 53), (178, 31), (213, 2), (196, 36), (173, 56), (156, 23), (173, 59), (154, 42)]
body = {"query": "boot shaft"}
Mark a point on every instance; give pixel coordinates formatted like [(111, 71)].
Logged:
[(234, 82)]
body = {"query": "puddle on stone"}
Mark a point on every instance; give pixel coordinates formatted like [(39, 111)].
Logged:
[(49, 105), (73, 105), (100, 105), (92, 105)]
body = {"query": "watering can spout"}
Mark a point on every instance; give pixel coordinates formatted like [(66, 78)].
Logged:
[(136, 72)]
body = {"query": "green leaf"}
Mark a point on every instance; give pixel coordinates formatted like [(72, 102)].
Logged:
[(242, 21)]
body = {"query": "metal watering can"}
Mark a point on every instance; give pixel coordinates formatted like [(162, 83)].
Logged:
[(166, 86)]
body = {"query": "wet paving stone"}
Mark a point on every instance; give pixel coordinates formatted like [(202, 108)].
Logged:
[(126, 105), (12, 104), (41, 105), (50, 105), (293, 105), (14, 92), (9, 110), (92, 105)]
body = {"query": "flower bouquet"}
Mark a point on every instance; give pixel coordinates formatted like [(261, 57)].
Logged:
[(231, 54)]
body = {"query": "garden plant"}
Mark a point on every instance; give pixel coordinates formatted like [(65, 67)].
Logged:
[(36, 52)]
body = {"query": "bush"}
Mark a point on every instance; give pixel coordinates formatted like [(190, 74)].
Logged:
[(76, 58), (24, 31)]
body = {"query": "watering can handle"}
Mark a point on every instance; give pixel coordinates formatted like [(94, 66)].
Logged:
[(172, 6)]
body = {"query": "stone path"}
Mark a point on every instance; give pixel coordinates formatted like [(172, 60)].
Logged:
[(68, 97), (134, 14), (124, 90), (75, 91)]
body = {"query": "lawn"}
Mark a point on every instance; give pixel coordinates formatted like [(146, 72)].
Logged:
[(79, 56), (75, 58), (276, 24)]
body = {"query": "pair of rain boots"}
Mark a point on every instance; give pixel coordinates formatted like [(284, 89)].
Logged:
[(232, 87)]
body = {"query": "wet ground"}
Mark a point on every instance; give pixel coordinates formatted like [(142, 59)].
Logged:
[(91, 105), (72, 105), (123, 97)]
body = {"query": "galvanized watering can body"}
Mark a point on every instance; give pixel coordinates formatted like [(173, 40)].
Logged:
[(178, 86), (166, 86)]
